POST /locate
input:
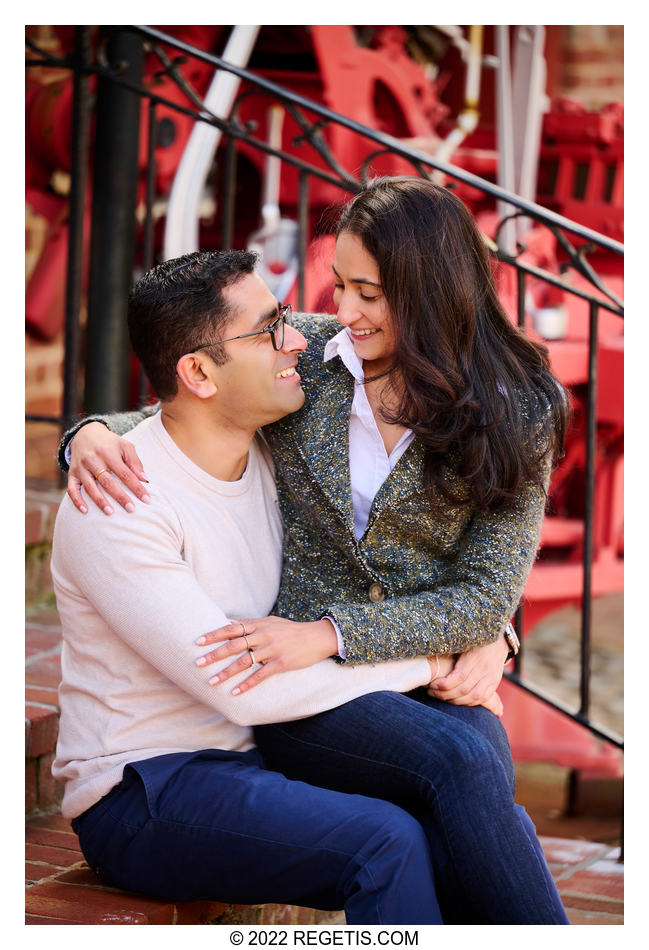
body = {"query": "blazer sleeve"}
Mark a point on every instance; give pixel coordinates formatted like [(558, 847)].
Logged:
[(471, 606), (117, 422)]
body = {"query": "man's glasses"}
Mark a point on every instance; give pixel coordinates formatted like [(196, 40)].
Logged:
[(276, 330)]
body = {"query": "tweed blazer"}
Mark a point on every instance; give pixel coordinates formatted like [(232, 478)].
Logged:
[(413, 584)]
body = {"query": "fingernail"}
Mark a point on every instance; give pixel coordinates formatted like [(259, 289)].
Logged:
[(83, 509), (200, 661), (146, 498), (214, 681), (143, 477), (236, 691), (200, 641), (130, 506), (108, 510)]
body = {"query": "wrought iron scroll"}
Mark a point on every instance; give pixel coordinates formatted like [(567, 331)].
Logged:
[(576, 258)]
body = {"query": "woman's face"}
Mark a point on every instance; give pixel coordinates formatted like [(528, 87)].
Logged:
[(362, 307)]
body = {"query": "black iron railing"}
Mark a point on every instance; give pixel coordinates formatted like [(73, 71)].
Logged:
[(312, 158)]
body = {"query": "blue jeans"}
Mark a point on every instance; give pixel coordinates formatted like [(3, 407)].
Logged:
[(451, 767), (215, 825)]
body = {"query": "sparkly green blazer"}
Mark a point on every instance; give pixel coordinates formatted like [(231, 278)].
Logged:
[(412, 585)]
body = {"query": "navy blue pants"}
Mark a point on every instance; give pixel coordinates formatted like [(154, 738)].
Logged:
[(451, 767), (215, 825)]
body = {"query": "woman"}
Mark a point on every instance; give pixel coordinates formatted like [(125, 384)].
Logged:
[(412, 486)]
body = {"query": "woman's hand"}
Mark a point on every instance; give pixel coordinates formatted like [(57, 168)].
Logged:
[(101, 459), (440, 665), (277, 644), (475, 677)]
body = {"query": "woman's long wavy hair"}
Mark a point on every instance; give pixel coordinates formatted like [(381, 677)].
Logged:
[(473, 387)]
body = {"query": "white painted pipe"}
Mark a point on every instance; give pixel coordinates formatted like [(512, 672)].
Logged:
[(505, 135), (270, 208), (529, 103), (474, 67), (181, 228), (468, 118)]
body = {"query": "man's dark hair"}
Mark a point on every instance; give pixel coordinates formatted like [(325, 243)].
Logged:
[(178, 305)]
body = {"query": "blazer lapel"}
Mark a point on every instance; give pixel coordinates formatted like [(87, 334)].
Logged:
[(405, 478), (322, 437), (320, 433)]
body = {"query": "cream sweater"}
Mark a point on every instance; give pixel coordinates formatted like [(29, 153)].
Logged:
[(134, 591)]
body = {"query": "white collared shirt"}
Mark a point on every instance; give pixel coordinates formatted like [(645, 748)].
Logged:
[(369, 462)]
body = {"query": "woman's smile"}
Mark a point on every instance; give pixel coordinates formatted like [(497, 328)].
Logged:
[(360, 301)]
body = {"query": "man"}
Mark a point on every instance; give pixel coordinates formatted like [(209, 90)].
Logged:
[(162, 782)]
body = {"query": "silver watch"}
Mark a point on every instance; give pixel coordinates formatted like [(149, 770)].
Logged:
[(512, 640)]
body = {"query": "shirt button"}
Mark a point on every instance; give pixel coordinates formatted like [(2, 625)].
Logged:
[(376, 593)]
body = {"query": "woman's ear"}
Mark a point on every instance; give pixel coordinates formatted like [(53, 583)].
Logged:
[(195, 371)]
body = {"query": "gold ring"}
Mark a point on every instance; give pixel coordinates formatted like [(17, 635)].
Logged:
[(246, 639), (252, 657), (100, 473), (243, 627)]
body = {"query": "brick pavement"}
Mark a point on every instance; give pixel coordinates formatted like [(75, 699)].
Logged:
[(62, 889)]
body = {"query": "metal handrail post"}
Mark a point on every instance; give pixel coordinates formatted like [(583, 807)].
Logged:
[(589, 511), (113, 225)]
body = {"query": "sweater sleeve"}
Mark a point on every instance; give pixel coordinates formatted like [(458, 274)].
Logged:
[(117, 422), (132, 574), (472, 606)]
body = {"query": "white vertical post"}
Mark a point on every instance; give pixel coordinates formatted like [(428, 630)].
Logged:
[(505, 135), (181, 228), (529, 104)]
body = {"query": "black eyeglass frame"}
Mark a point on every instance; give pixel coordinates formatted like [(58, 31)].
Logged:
[(273, 328)]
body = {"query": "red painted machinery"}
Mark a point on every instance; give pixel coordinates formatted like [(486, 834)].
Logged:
[(372, 78)]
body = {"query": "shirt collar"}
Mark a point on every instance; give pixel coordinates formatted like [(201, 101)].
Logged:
[(342, 346)]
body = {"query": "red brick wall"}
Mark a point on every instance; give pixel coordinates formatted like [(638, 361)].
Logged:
[(586, 63), (44, 391)]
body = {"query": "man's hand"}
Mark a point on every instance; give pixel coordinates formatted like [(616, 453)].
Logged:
[(101, 459), (277, 644), (494, 704), (475, 677)]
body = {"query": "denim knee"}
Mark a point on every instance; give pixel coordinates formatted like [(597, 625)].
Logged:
[(472, 759), (404, 832)]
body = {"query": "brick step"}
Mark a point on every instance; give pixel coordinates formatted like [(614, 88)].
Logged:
[(62, 889), (42, 678), (590, 879), (41, 505)]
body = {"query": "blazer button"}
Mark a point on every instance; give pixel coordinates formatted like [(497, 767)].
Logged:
[(376, 593)]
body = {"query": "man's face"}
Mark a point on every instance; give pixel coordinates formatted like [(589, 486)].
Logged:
[(258, 384)]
